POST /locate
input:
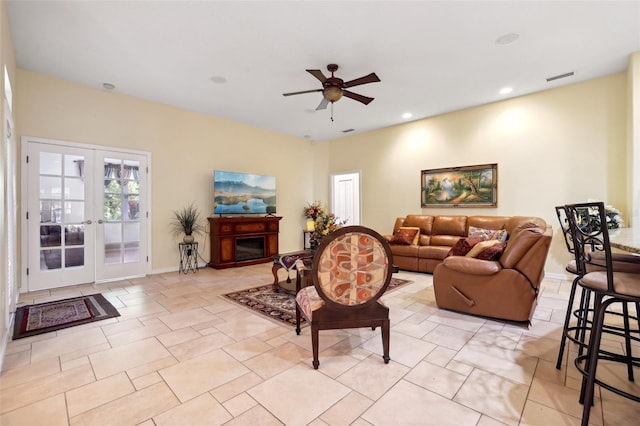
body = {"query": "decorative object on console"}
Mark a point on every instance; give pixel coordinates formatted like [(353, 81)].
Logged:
[(469, 186), (324, 222), (243, 193), (187, 221)]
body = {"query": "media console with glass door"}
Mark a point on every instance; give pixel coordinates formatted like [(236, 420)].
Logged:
[(243, 240)]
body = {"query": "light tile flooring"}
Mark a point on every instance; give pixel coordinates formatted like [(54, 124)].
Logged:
[(179, 354)]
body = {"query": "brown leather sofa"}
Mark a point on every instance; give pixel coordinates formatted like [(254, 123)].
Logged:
[(506, 288)]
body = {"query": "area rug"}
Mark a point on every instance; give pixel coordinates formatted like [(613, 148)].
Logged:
[(280, 307), (45, 317)]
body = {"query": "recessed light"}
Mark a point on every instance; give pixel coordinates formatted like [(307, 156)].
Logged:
[(108, 86), (507, 39), (506, 90), (218, 79), (407, 115)]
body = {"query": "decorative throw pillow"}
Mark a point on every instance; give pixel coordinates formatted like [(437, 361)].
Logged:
[(480, 247), (463, 246), (406, 235), (493, 253), (488, 234)]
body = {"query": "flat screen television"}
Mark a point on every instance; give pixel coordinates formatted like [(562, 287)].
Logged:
[(243, 193)]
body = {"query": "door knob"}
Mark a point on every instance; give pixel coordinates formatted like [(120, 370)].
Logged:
[(100, 221), (88, 222)]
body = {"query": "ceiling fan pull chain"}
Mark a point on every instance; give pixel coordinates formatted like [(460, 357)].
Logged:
[(331, 111)]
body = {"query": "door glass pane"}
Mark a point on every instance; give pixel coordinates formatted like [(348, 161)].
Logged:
[(112, 207), (132, 252), (74, 257), (132, 207), (50, 211), (50, 236), (74, 189), (50, 163), (112, 233), (113, 254), (74, 165), (50, 259), (132, 231), (74, 211), (74, 235), (50, 187)]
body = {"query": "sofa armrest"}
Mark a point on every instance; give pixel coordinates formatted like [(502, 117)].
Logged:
[(471, 265)]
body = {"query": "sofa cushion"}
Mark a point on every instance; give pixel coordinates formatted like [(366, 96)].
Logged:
[(463, 246), (424, 222), (406, 235), (492, 253), (450, 225), (488, 234), (480, 247)]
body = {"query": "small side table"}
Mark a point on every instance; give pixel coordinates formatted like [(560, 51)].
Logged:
[(188, 257)]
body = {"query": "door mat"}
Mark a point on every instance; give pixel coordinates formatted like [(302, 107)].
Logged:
[(42, 318), (279, 306)]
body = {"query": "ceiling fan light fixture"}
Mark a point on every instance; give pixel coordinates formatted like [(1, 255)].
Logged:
[(332, 93)]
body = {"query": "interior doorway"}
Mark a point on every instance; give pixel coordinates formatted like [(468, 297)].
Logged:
[(345, 198)]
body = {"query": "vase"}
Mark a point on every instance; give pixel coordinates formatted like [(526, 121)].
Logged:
[(188, 239)]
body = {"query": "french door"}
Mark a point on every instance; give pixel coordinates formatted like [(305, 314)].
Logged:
[(86, 215)]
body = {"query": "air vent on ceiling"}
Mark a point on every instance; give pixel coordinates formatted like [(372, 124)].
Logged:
[(348, 130), (558, 77)]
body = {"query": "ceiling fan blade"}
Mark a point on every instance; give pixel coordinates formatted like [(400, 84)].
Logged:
[(323, 104), (371, 78), (317, 74), (364, 99), (300, 93)]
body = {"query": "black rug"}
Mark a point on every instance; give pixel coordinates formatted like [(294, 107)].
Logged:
[(279, 306), (42, 318)]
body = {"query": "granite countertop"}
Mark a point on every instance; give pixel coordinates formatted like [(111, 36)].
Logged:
[(627, 239)]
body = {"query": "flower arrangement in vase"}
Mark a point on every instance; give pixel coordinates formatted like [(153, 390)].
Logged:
[(321, 222)]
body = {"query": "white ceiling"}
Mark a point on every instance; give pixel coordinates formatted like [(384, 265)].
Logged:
[(432, 56)]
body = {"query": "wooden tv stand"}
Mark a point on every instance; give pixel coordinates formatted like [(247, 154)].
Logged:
[(243, 240)]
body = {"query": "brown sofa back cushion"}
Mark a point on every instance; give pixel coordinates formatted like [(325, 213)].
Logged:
[(487, 222), (424, 222), (450, 225)]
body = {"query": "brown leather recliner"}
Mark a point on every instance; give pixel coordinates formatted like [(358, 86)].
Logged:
[(505, 289)]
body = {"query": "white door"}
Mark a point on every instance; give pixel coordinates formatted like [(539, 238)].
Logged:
[(121, 229), (87, 215), (61, 232), (345, 188)]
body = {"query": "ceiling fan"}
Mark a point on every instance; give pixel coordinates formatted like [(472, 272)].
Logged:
[(333, 88)]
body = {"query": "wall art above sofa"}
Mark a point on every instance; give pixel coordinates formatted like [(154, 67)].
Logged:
[(468, 186)]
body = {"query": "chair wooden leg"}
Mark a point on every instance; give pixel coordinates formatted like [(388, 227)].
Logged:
[(385, 340), (315, 344), (297, 319)]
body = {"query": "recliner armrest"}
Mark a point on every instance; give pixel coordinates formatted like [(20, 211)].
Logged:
[(471, 265)]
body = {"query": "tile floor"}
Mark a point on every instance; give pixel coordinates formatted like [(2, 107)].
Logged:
[(179, 354)]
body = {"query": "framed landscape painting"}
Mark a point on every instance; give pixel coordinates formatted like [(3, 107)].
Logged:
[(469, 186)]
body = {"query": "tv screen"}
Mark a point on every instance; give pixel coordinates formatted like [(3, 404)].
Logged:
[(243, 193)]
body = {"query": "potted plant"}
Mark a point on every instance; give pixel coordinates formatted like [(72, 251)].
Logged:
[(187, 221)]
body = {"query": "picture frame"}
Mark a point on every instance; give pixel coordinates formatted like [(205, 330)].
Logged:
[(467, 186)]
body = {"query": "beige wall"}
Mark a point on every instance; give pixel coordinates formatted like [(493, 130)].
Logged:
[(554, 147), (558, 146), (185, 147)]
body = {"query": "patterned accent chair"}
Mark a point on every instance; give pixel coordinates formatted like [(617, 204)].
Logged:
[(351, 270)]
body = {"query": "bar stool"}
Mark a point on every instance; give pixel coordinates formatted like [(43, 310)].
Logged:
[(596, 262), (608, 287)]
